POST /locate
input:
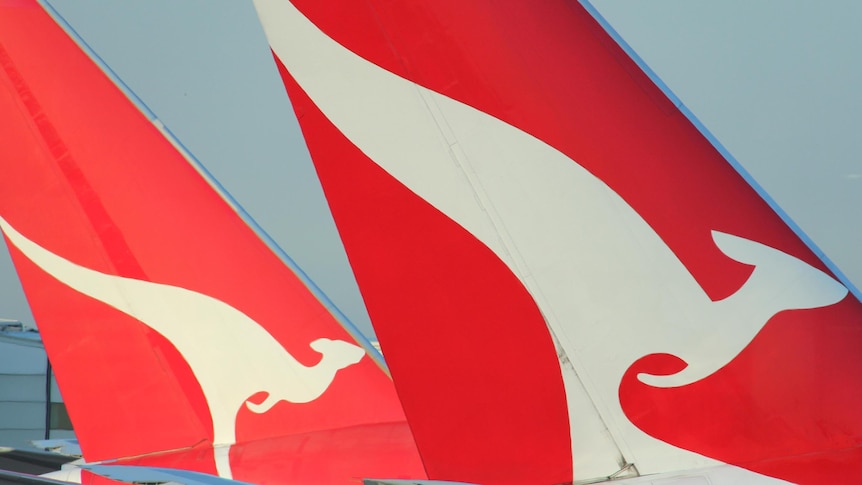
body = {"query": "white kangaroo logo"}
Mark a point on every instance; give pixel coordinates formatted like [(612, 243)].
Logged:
[(609, 287), (779, 282), (214, 338)]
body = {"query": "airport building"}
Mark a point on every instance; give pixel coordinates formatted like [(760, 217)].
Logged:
[(30, 404)]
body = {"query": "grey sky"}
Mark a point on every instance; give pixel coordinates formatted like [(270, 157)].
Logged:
[(776, 81)]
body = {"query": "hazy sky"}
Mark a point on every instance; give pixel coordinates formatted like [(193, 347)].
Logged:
[(776, 81)]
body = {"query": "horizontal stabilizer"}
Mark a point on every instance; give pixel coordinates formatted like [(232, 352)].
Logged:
[(33, 462), (16, 478), (65, 447), (146, 474)]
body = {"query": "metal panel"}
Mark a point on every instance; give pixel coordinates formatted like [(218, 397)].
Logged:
[(22, 415), (19, 388), (62, 434), (21, 359), (20, 438)]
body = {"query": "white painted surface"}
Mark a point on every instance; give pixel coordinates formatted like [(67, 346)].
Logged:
[(610, 289), (720, 475), (69, 473), (213, 337)]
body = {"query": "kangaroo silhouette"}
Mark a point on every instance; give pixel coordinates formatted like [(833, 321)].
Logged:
[(248, 359), (609, 287)]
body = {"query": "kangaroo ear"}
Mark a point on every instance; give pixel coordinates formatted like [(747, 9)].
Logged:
[(739, 249), (321, 345)]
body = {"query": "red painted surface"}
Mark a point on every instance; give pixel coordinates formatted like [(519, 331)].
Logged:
[(469, 352), (787, 406), (88, 177), (344, 455)]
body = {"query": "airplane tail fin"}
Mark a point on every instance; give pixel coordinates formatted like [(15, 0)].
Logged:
[(507, 179), (169, 324)]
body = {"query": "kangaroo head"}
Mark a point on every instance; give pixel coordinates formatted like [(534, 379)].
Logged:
[(337, 353)]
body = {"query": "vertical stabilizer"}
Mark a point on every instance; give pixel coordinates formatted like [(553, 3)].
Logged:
[(504, 178), (169, 323)]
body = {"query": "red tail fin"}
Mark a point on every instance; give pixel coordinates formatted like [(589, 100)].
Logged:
[(472, 152), (168, 322)]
